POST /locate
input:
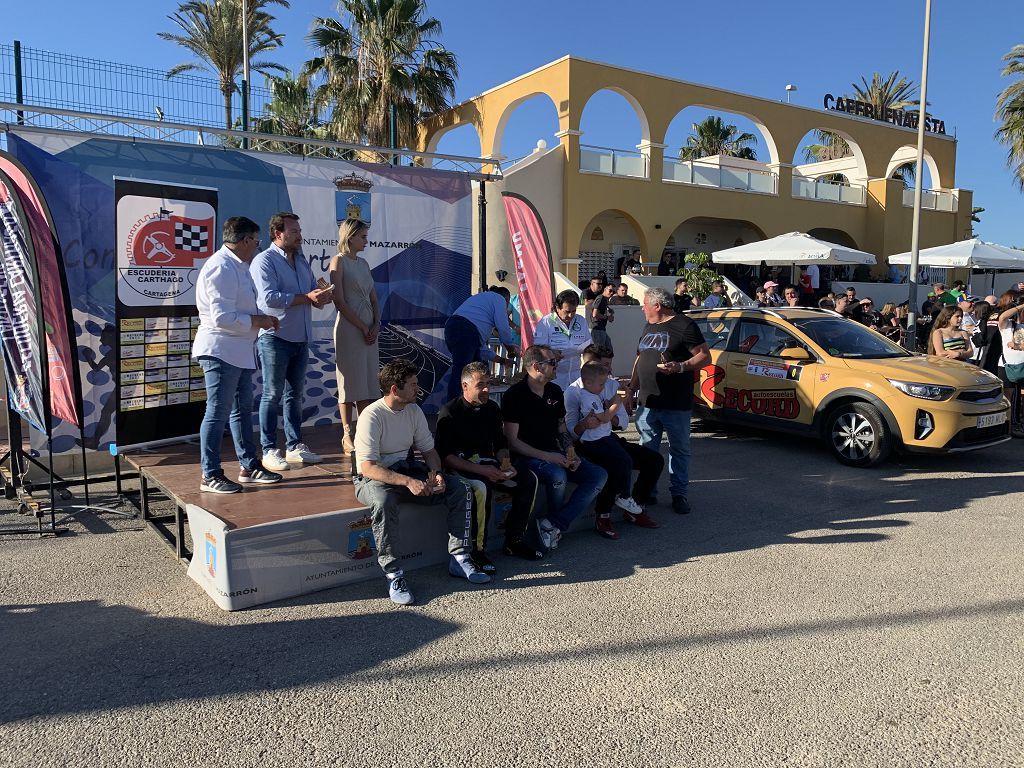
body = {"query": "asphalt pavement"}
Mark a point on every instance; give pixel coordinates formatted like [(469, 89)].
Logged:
[(806, 614)]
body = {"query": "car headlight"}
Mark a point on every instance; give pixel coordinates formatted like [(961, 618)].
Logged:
[(924, 391)]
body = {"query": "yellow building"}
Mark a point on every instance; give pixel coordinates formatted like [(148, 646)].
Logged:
[(598, 203)]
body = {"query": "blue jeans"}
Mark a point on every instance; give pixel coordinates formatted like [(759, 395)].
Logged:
[(228, 400), (589, 479), (463, 342), (284, 373), (651, 423)]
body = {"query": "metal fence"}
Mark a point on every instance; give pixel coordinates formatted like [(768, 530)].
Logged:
[(58, 80)]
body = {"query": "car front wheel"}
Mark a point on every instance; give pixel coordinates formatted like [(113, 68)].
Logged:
[(858, 435)]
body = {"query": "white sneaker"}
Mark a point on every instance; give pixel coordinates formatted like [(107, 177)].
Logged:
[(549, 534), (301, 454), (628, 504), (274, 461), (398, 590)]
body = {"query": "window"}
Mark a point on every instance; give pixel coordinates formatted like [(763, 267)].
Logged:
[(757, 338), (715, 330)]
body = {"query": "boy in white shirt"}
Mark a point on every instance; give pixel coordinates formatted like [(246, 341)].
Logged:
[(589, 415)]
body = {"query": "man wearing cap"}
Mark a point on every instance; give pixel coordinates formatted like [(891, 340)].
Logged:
[(970, 321), (771, 296)]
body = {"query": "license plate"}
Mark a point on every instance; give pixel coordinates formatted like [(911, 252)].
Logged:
[(991, 419)]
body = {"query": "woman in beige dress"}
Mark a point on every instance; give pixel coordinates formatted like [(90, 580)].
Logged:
[(355, 328)]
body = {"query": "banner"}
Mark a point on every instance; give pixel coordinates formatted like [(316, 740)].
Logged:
[(61, 354), (165, 232), (533, 261), (19, 313), (419, 252)]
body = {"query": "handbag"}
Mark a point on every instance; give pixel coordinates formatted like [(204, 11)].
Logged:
[(1014, 372)]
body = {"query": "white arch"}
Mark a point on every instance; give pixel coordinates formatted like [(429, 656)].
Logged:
[(435, 140), (769, 140), (859, 176), (645, 126), (896, 161), (499, 130)]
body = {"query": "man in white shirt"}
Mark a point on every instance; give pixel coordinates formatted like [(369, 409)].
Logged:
[(388, 429), (229, 322)]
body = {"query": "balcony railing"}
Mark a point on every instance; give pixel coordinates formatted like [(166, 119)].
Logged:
[(932, 200), (613, 162), (707, 175), (817, 189)]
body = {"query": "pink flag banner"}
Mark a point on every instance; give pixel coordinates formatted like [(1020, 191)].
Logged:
[(532, 259), (60, 354)]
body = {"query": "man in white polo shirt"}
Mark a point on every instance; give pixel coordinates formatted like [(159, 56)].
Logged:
[(225, 345), (389, 429)]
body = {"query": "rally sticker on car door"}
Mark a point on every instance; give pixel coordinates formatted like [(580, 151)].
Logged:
[(773, 369)]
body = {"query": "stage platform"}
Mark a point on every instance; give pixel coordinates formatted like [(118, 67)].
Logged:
[(269, 542)]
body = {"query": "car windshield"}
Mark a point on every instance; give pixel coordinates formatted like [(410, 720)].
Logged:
[(846, 338)]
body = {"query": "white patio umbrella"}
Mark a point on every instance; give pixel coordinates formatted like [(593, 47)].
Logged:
[(794, 248), (969, 254)]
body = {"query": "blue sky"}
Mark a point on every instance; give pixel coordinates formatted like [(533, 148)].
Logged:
[(820, 47)]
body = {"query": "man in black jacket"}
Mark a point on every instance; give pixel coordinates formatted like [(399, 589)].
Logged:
[(471, 442)]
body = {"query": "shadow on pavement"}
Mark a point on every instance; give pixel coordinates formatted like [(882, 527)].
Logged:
[(89, 656)]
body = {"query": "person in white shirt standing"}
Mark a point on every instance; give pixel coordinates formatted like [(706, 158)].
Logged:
[(225, 346)]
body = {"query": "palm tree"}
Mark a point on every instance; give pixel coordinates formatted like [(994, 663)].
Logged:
[(293, 110), (212, 31), (712, 136), (828, 146), (893, 92), (381, 54), (1010, 113)]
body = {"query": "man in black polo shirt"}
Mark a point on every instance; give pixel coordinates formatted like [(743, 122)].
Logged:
[(670, 350), (534, 415), (471, 442)]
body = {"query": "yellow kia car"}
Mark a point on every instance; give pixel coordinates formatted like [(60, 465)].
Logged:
[(811, 371)]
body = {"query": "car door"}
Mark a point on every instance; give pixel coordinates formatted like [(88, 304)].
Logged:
[(707, 387), (760, 385)]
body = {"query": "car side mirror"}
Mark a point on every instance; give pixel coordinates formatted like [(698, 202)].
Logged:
[(796, 353)]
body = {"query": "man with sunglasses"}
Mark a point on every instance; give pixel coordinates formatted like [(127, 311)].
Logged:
[(229, 321), (534, 414)]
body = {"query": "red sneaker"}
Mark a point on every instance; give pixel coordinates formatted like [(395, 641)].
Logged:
[(604, 527), (643, 520)]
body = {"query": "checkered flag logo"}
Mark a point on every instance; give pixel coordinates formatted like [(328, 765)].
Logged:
[(191, 237)]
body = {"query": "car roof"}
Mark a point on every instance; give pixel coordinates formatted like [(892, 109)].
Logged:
[(780, 313)]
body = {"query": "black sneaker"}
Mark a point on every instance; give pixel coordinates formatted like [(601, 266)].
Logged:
[(680, 505), (218, 484), (482, 562), (522, 549), (259, 475)]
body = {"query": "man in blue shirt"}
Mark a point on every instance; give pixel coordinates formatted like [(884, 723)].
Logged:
[(285, 289), (468, 329)]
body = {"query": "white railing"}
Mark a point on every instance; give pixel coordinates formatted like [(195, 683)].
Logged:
[(707, 175), (613, 162), (933, 200), (817, 189)]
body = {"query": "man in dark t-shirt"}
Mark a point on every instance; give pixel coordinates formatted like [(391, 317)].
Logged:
[(601, 314), (670, 350), (471, 442), (534, 415)]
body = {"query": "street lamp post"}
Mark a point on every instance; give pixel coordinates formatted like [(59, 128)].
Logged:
[(915, 236), (789, 90), (245, 70)]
